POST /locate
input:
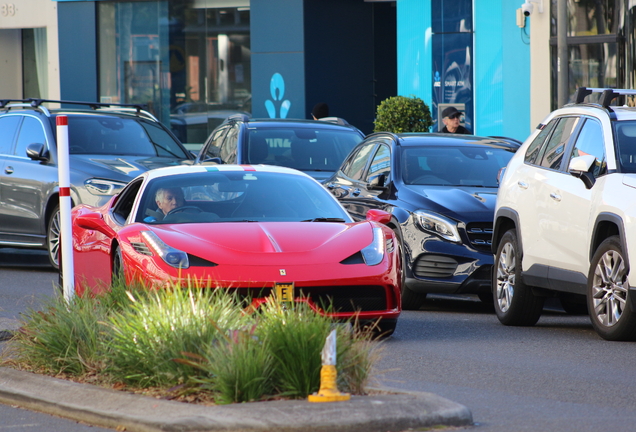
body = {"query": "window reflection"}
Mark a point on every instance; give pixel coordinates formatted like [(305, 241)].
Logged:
[(192, 69)]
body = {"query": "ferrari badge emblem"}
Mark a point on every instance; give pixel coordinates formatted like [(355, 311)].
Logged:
[(283, 272)]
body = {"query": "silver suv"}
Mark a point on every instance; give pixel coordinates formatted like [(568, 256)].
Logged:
[(564, 220), (110, 144)]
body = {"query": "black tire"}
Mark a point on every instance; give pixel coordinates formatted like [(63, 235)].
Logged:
[(410, 299), (53, 237), (608, 291), (515, 304), (118, 266)]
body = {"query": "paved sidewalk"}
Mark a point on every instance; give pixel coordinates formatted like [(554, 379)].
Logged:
[(390, 410)]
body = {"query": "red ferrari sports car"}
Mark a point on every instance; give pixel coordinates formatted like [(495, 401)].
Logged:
[(262, 230)]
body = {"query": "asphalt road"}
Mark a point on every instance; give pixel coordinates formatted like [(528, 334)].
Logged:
[(556, 376)]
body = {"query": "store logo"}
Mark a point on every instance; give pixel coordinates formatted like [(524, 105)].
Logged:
[(277, 90)]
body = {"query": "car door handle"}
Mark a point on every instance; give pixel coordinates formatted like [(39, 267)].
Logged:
[(8, 170), (555, 196), (355, 192), (522, 184)]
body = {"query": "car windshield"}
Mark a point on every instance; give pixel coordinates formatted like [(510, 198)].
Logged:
[(305, 149), (109, 135), (237, 196), (453, 166), (626, 143)]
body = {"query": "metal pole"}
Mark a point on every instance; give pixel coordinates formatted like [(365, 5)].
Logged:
[(563, 90)]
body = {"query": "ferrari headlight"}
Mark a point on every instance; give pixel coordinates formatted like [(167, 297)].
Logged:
[(438, 224), (103, 187), (374, 253), (173, 257)]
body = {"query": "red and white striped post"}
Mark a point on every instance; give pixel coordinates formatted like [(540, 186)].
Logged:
[(65, 248)]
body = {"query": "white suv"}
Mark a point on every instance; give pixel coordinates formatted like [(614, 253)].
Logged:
[(565, 218)]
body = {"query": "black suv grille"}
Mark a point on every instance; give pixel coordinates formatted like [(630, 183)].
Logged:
[(480, 235)]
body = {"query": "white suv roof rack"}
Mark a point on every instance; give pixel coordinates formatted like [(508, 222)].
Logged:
[(607, 96)]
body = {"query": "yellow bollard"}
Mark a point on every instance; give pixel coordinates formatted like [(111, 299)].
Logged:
[(329, 375)]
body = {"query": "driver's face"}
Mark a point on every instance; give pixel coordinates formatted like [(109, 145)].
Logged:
[(171, 200)]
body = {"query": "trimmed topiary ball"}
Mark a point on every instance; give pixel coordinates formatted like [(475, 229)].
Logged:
[(403, 114)]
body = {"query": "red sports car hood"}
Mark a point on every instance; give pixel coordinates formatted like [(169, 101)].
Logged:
[(268, 242)]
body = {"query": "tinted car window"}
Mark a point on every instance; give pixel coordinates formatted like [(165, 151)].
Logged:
[(212, 147), (626, 145), (229, 146), (555, 147), (381, 163), (31, 132), (164, 144), (119, 136), (8, 126), (590, 142), (359, 162), (534, 149), (453, 166), (304, 149)]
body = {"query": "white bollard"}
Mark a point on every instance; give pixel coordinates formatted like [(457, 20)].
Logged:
[(65, 247)]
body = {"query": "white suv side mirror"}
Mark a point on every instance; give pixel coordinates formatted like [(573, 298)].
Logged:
[(581, 164)]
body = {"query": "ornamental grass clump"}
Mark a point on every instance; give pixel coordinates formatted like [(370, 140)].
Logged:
[(400, 114), (189, 342), (67, 338), (172, 323)]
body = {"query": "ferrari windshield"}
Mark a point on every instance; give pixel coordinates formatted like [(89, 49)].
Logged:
[(453, 166), (237, 196)]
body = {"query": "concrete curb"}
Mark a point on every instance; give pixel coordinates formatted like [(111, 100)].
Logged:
[(391, 411)]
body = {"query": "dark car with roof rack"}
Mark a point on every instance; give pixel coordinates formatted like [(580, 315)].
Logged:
[(316, 147), (109, 145), (440, 190)]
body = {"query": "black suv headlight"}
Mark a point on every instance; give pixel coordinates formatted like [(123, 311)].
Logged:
[(103, 187), (437, 224)]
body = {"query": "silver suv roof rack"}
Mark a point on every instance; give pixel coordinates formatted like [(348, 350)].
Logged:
[(607, 94), (138, 109)]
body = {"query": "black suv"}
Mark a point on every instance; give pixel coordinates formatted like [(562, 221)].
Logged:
[(440, 190), (316, 147), (109, 145)]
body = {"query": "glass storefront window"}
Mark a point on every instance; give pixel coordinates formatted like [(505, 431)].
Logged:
[(590, 65), (189, 62), (588, 17)]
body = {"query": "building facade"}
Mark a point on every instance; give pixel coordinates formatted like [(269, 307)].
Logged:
[(193, 62)]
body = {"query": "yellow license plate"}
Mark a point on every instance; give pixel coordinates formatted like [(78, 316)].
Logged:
[(284, 292)]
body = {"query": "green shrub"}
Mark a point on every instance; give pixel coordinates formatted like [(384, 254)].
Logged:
[(403, 114)]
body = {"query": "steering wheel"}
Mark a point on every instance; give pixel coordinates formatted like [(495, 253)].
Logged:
[(187, 209)]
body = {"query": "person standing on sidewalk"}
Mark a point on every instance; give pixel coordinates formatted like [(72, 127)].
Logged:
[(450, 117)]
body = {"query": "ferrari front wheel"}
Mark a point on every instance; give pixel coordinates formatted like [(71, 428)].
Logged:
[(118, 265)]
